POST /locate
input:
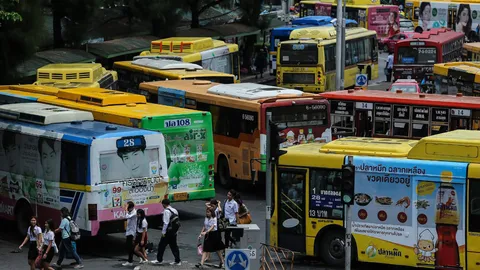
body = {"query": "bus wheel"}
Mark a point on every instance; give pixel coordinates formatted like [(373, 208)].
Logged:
[(224, 172), (332, 250), (23, 214)]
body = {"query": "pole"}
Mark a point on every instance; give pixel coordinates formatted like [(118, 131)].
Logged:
[(343, 47), (348, 231), (268, 181), (338, 49)]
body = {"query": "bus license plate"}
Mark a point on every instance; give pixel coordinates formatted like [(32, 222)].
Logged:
[(182, 196)]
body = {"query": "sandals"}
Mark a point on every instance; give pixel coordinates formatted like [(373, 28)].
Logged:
[(200, 266)]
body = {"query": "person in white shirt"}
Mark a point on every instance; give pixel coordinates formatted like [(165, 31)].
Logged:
[(49, 245), (231, 214), (131, 216), (212, 239), (141, 238), (389, 66), (34, 237), (169, 234)]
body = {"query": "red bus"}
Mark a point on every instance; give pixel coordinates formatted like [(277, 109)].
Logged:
[(400, 115), (415, 56)]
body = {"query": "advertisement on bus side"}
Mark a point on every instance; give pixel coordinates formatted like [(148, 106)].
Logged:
[(409, 212), (384, 20)]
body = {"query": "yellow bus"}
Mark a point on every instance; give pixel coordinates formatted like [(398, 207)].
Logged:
[(471, 51), (239, 120), (211, 54), (369, 14), (132, 73), (457, 78), (79, 75), (416, 204), (188, 133), (309, 64), (445, 13)]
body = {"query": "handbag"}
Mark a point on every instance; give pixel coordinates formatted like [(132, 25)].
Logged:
[(222, 224), (246, 219), (199, 248)]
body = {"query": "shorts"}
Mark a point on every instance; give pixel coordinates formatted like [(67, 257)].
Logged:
[(138, 239)]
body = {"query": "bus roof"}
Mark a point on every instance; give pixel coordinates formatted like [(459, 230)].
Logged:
[(354, 3), (184, 44), (326, 32), (457, 145), (163, 64), (436, 35), (458, 101), (43, 114), (469, 71), (312, 20), (84, 132), (228, 94), (121, 106), (473, 47), (370, 147)]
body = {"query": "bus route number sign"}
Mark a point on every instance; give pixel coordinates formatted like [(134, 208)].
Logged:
[(185, 122), (461, 112)]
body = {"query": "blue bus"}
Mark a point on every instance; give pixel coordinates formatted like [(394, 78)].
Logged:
[(282, 33), (53, 157)]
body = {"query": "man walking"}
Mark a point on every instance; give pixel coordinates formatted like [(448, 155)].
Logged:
[(131, 217), (231, 214), (171, 224), (389, 66)]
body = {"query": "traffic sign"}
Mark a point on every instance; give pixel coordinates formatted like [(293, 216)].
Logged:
[(237, 259), (361, 80)]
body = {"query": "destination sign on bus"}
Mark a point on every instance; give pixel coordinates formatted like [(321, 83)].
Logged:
[(417, 43), (130, 142)]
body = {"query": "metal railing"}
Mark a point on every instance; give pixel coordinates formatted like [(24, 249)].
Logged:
[(276, 258)]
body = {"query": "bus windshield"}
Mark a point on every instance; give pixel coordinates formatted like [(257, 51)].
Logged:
[(297, 54), (416, 55)]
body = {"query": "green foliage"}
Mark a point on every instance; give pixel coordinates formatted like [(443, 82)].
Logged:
[(19, 38), (251, 10), (7, 11)]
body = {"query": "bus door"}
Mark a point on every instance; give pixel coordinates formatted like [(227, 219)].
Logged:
[(473, 219), (342, 118), (291, 208), (460, 119), (363, 119)]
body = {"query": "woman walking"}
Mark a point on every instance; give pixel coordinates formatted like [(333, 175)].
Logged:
[(141, 238), (212, 240), (34, 237), (49, 245), (243, 212), (66, 245)]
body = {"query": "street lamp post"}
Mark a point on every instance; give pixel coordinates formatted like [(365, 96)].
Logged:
[(339, 50)]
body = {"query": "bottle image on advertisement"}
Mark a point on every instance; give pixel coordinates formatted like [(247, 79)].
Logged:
[(310, 136), (301, 137), (447, 219)]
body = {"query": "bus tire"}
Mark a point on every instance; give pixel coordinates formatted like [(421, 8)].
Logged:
[(332, 251), (224, 172), (369, 73), (23, 213)]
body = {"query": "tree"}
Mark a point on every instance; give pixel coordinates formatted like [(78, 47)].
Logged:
[(7, 12), (20, 33), (78, 16), (164, 15), (197, 7)]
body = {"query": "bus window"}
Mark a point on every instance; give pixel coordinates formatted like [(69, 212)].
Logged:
[(401, 129), (325, 198), (419, 130), (459, 123), (401, 120), (437, 129), (74, 163), (291, 221), (382, 121), (474, 207)]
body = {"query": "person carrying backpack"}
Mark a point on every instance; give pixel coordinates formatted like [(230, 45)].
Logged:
[(171, 224), (70, 233)]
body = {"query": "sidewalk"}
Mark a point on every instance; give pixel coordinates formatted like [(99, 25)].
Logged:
[(185, 265)]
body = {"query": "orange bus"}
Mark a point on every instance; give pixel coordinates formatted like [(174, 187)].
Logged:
[(400, 115)]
